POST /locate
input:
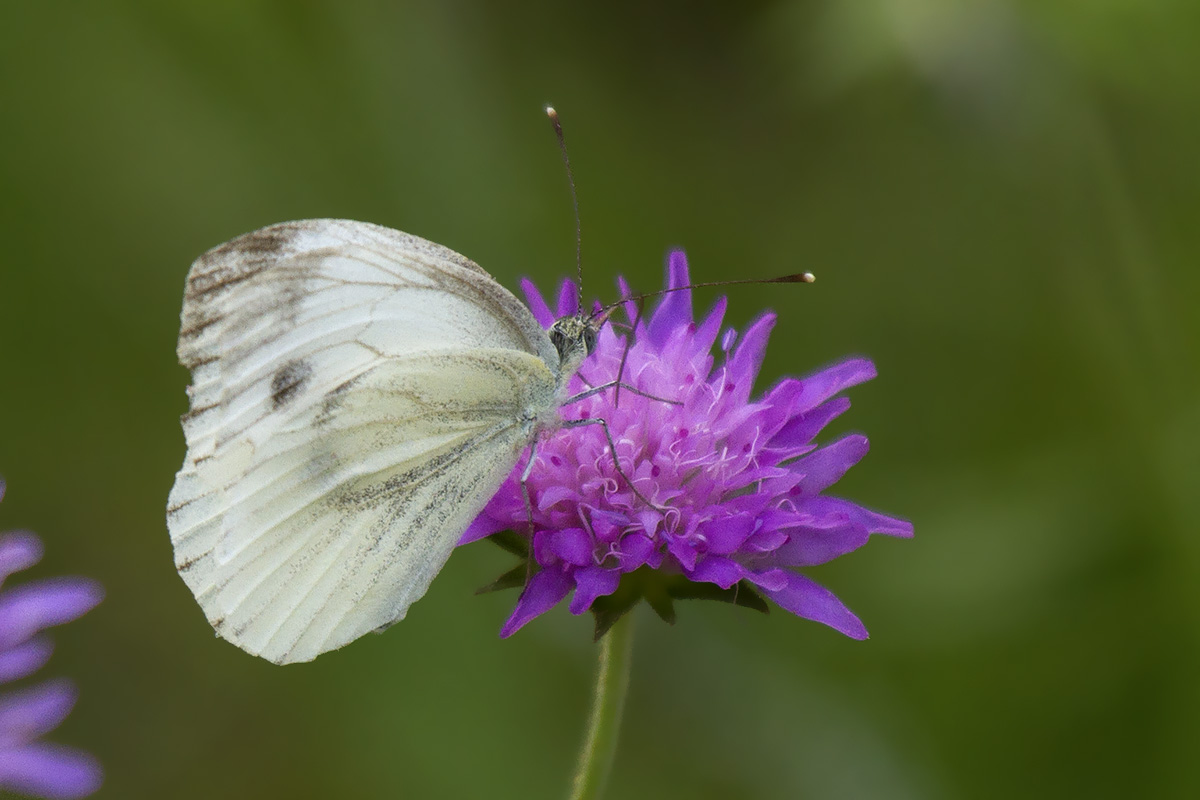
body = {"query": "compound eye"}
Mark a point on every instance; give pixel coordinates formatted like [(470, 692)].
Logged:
[(556, 339), (589, 339)]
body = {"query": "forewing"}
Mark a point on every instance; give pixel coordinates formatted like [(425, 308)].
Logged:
[(330, 467), (310, 304)]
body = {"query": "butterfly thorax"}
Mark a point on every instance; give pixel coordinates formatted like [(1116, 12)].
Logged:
[(574, 338)]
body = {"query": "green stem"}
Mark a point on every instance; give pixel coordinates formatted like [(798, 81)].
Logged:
[(612, 684)]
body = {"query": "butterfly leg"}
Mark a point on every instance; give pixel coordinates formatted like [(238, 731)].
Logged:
[(625, 354), (612, 447), (528, 507), (603, 386)]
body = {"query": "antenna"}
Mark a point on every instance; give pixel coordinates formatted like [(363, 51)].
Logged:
[(796, 277), (562, 145)]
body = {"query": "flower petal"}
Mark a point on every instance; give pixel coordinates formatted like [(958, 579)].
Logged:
[(765, 541), (871, 521), (18, 550), (806, 598), (675, 308), (632, 312), (723, 572), (636, 550), (481, 527), (40, 604), (50, 771), (25, 659), (773, 579), (810, 546), (29, 713), (820, 386), (572, 545), (552, 495), (748, 357), (794, 437), (544, 591), (684, 552), (537, 303), (707, 332), (568, 299), (606, 525), (826, 466), (590, 583), (779, 406), (725, 536)]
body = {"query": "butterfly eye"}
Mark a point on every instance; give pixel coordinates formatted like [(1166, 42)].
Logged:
[(589, 339), (558, 340)]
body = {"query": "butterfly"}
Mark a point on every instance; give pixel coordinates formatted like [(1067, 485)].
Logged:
[(358, 394)]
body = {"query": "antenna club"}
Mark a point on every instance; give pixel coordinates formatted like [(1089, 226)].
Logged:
[(551, 113), (808, 277)]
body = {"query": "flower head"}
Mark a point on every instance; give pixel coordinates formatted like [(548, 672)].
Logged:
[(735, 484), (28, 765)]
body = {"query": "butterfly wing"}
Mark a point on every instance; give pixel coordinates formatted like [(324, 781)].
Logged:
[(358, 395)]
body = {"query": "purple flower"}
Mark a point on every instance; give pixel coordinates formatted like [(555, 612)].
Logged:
[(736, 483), (28, 765)]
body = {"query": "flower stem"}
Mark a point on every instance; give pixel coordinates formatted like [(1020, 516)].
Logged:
[(612, 684)]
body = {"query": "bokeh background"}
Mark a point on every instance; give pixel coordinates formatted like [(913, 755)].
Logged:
[(1000, 199)]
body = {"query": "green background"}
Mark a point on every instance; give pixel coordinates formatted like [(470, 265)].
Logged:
[(999, 199)]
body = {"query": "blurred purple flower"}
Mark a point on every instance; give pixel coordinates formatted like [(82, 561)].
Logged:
[(28, 765), (741, 480)]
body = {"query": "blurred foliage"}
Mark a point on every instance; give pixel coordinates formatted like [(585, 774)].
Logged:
[(1000, 199)]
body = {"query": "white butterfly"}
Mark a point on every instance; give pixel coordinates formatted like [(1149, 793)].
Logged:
[(358, 395)]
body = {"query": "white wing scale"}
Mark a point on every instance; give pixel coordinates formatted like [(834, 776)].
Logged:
[(358, 395)]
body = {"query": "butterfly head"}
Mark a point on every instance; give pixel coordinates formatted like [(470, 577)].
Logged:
[(574, 338)]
